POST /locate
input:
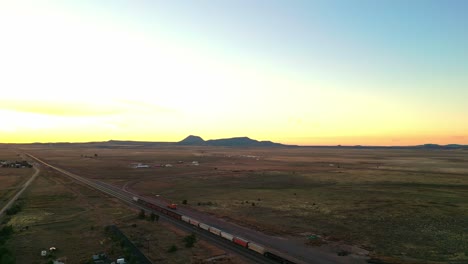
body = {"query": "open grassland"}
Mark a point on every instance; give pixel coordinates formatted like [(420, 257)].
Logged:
[(11, 178), (58, 212), (404, 205)]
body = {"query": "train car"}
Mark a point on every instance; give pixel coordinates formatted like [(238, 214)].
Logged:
[(215, 231), (158, 208), (186, 219), (148, 204), (194, 222), (227, 236), (256, 247), (276, 256), (240, 241), (154, 207), (204, 226), (164, 211), (175, 215)]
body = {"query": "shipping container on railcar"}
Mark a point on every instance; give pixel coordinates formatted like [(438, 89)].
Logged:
[(164, 211), (240, 241), (257, 248), (215, 231), (227, 236), (186, 219), (175, 215), (194, 222), (204, 226)]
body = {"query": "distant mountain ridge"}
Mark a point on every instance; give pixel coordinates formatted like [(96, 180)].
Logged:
[(230, 142), (227, 142), (436, 146)]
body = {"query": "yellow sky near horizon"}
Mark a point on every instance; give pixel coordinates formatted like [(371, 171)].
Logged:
[(90, 72)]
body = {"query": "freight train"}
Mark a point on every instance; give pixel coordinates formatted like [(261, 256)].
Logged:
[(278, 257)]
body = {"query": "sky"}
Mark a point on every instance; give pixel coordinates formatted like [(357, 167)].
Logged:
[(296, 72)]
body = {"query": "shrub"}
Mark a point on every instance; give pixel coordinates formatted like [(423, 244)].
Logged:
[(141, 215), (6, 257), (14, 209), (152, 217), (190, 240), (6, 231), (173, 248)]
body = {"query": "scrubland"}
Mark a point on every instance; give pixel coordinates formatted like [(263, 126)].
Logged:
[(403, 205)]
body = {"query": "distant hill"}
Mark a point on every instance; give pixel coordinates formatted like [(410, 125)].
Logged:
[(436, 146), (192, 140), (241, 142), (227, 142)]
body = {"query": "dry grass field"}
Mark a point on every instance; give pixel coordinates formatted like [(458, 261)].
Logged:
[(404, 205), (61, 213), (11, 178)]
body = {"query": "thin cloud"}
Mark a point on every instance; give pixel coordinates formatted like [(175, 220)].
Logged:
[(59, 108)]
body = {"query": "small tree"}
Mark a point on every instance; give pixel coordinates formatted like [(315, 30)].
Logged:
[(141, 215), (153, 216), (190, 240)]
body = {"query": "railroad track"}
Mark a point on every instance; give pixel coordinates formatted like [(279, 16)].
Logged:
[(128, 198)]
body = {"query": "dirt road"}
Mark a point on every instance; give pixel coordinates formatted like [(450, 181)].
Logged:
[(23, 188)]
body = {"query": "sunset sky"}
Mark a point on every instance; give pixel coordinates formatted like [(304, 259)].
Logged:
[(295, 72)]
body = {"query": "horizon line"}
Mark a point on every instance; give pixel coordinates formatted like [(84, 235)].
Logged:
[(291, 145)]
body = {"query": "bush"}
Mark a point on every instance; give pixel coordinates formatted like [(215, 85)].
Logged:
[(184, 202), (190, 240), (173, 248), (14, 209), (141, 215), (6, 257), (342, 253), (6, 231), (154, 217)]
